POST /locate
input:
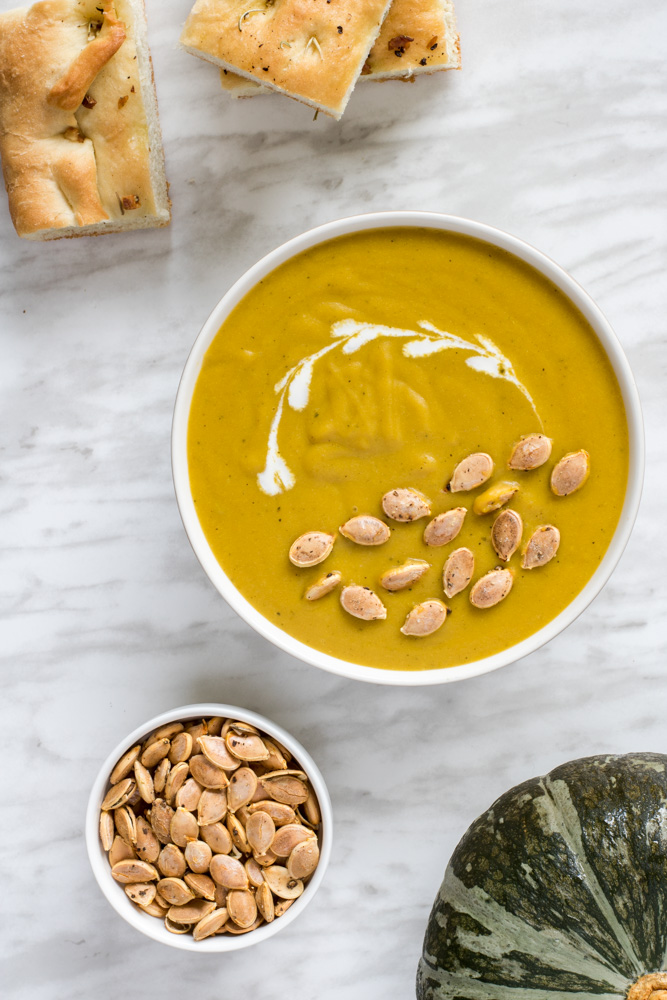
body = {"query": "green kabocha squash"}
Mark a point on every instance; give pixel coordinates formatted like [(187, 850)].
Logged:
[(558, 891)]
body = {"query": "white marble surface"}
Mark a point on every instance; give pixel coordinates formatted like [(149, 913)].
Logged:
[(555, 130)]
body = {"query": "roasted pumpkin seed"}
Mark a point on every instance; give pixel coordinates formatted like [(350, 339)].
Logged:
[(126, 825), (175, 928), (201, 885), (287, 838), (118, 794), (133, 870), (471, 472), (570, 474), (107, 829), (155, 752), (254, 873), (192, 912), (364, 529), (183, 827), (311, 548), (144, 781), (303, 860), (124, 765), (246, 746), (494, 497), (325, 585), (506, 534), (362, 602), (218, 838), (198, 856), (207, 774), (281, 882), (147, 845), (175, 891), (180, 748), (530, 452), (175, 781), (160, 775), (406, 505), (160, 818), (444, 528), (242, 785), (492, 588), (171, 861), (228, 872), (212, 806), (425, 618), (120, 851), (289, 790), (214, 748), (168, 731), (458, 571), (189, 794), (405, 575), (210, 924), (237, 832), (279, 813), (241, 907), (264, 901), (541, 548), (260, 831)]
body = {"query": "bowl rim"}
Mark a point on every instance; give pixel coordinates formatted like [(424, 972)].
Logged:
[(151, 926), (446, 223)]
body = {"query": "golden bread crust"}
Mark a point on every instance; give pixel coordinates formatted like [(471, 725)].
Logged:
[(311, 50), (430, 26), (67, 164), (418, 36)]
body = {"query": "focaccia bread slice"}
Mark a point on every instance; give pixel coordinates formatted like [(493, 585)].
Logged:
[(79, 133), (311, 50), (417, 36)]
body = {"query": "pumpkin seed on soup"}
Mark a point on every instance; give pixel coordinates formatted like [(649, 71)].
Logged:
[(530, 452), (444, 527), (495, 497), (364, 529), (470, 473), (570, 474), (492, 588), (325, 585), (406, 505), (311, 548), (506, 534), (458, 571), (542, 547)]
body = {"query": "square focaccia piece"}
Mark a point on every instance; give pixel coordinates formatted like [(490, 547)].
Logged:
[(311, 50), (79, 133), (417, 36)]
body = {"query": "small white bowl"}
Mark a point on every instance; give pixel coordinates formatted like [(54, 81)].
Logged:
[(153, 927), (451, 224)]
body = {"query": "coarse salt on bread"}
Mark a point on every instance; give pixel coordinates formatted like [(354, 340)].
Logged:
[(79, 133), (417, 36), (311, 50)]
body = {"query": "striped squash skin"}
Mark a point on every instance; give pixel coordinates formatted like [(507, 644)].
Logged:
[(558, 891)]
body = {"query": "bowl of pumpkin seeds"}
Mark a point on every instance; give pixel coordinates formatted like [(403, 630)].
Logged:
[(209, 828)]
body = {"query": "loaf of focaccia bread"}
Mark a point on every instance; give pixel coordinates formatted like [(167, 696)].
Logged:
[(79, 133), (311, 50), (417, 36)]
